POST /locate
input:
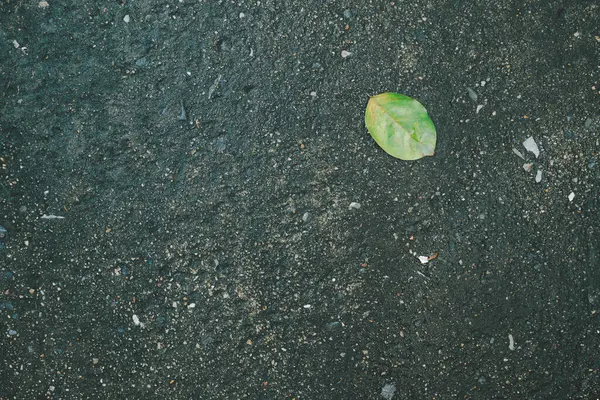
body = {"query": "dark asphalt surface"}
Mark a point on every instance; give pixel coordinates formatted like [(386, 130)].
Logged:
[(195, 210)]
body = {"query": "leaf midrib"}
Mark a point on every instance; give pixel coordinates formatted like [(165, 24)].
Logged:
[(375, 101)]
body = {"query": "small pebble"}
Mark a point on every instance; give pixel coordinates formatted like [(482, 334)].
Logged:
[(183, 114), (354, 205), (136, 319), (345, 53), (126, 19), (531, 146), (12, 332), (538, 176), (333, 325), (472, 94), (571, 196), (591, 164), (517, 152), (214, 86), (305, 217), (423, 259), (387, 392)]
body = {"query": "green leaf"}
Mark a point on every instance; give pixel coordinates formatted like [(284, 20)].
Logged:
[(401, 126)]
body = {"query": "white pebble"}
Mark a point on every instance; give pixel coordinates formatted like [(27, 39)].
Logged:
[(387, 392), (193, 305), (472, 94), (538, 176), (307, 306), (511, 342), (517, 152), (479, 107), (305, 217), (242, 15), (571, 196), (531, 146), (136, 320), (354, 205), (345, 53), (126, 19), (51, 217)]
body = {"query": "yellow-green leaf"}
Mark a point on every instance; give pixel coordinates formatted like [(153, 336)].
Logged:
[(400, 126)]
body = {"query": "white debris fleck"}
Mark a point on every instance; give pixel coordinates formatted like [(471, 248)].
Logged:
[(126, 19), (16, 44), (305, 217), (313, 93), (242, 15), (354, 205), (571, 196), (479, 107), (511, 342), (136, 320), (215, 85), (423, 259), (345, 53), (43, 4), (387, 392), (51, 217), (472, 94), (527, 167), (192, 305), (307, 306), (531, 146), (538, 176), (517, 152)]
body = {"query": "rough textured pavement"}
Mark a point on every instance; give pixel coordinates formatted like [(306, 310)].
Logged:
[(203, 155)]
